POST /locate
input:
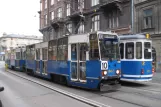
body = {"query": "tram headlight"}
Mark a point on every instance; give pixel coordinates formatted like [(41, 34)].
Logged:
[(104, 73), (117, 72)]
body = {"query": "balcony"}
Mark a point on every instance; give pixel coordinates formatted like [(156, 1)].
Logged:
[(139, 1), (111, 4), (57, 22), (108, 1)]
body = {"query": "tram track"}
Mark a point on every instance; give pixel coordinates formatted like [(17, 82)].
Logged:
[(101, 94), (71, 95), (122, 100), (108, 96), (134, 93), (141, 94)]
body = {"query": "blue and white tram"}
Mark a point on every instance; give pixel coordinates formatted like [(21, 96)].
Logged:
[(30, 59), (12, 59), (87, 60), (20, 58), (41, 57), (136, 57)]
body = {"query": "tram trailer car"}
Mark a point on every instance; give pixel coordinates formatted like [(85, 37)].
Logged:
[(20, 58), (136, 57), (89, 60), (30, 59), (7, 58), (12, 59)]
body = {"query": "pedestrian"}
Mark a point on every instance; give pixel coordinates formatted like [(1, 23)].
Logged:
[(6, 67)]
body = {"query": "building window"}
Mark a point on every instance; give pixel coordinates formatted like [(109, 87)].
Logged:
[(59, 14), (52, 15), (81, 28), (68, 10), (147, 18), (113, 20), (46, 4), (80, 4), (69, 27), (40, 6), (45, 17), (95, 23), (52, 2), (94, 2)]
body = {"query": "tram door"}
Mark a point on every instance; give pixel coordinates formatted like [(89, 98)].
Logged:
[(78, 62), (44, 60), (38, 60)]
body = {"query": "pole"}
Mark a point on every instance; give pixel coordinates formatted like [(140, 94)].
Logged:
[(132, 16)]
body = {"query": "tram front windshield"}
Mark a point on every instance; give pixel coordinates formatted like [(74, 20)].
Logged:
[(109, 49)]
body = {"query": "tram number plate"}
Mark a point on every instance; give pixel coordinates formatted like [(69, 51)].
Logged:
[(104, 65)]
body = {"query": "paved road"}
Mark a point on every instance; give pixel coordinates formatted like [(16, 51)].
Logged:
[(146, 94), (22, 93), (157, 77)]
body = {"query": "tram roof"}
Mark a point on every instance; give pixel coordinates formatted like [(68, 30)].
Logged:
[(136, 36)]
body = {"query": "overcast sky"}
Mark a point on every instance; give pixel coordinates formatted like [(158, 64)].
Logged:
[(18, 16)]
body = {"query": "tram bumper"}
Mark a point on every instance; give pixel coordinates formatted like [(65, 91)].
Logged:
[(108, 87), (110, 83)]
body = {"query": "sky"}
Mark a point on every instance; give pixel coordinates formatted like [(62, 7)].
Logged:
[(19, 17)]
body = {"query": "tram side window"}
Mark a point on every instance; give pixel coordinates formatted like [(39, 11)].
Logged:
[(27, 53), (44, 53), (63, 49), (37, 54), (138, 50), (147, 50), (74, 52), (50, 50), (122, 50), (54, 49), (94, 50), (18, 55), (32, 50), (83, 49), (24, 55), (130, 50)]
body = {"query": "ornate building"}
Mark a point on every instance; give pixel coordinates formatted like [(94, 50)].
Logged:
[(11, 41), (60, 18), (148, 20)]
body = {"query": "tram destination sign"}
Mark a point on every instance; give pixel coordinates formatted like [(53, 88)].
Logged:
[(107, 36)]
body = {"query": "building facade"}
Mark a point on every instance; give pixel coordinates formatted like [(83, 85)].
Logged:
[(11, 41), (60, 18), (148, 20)]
